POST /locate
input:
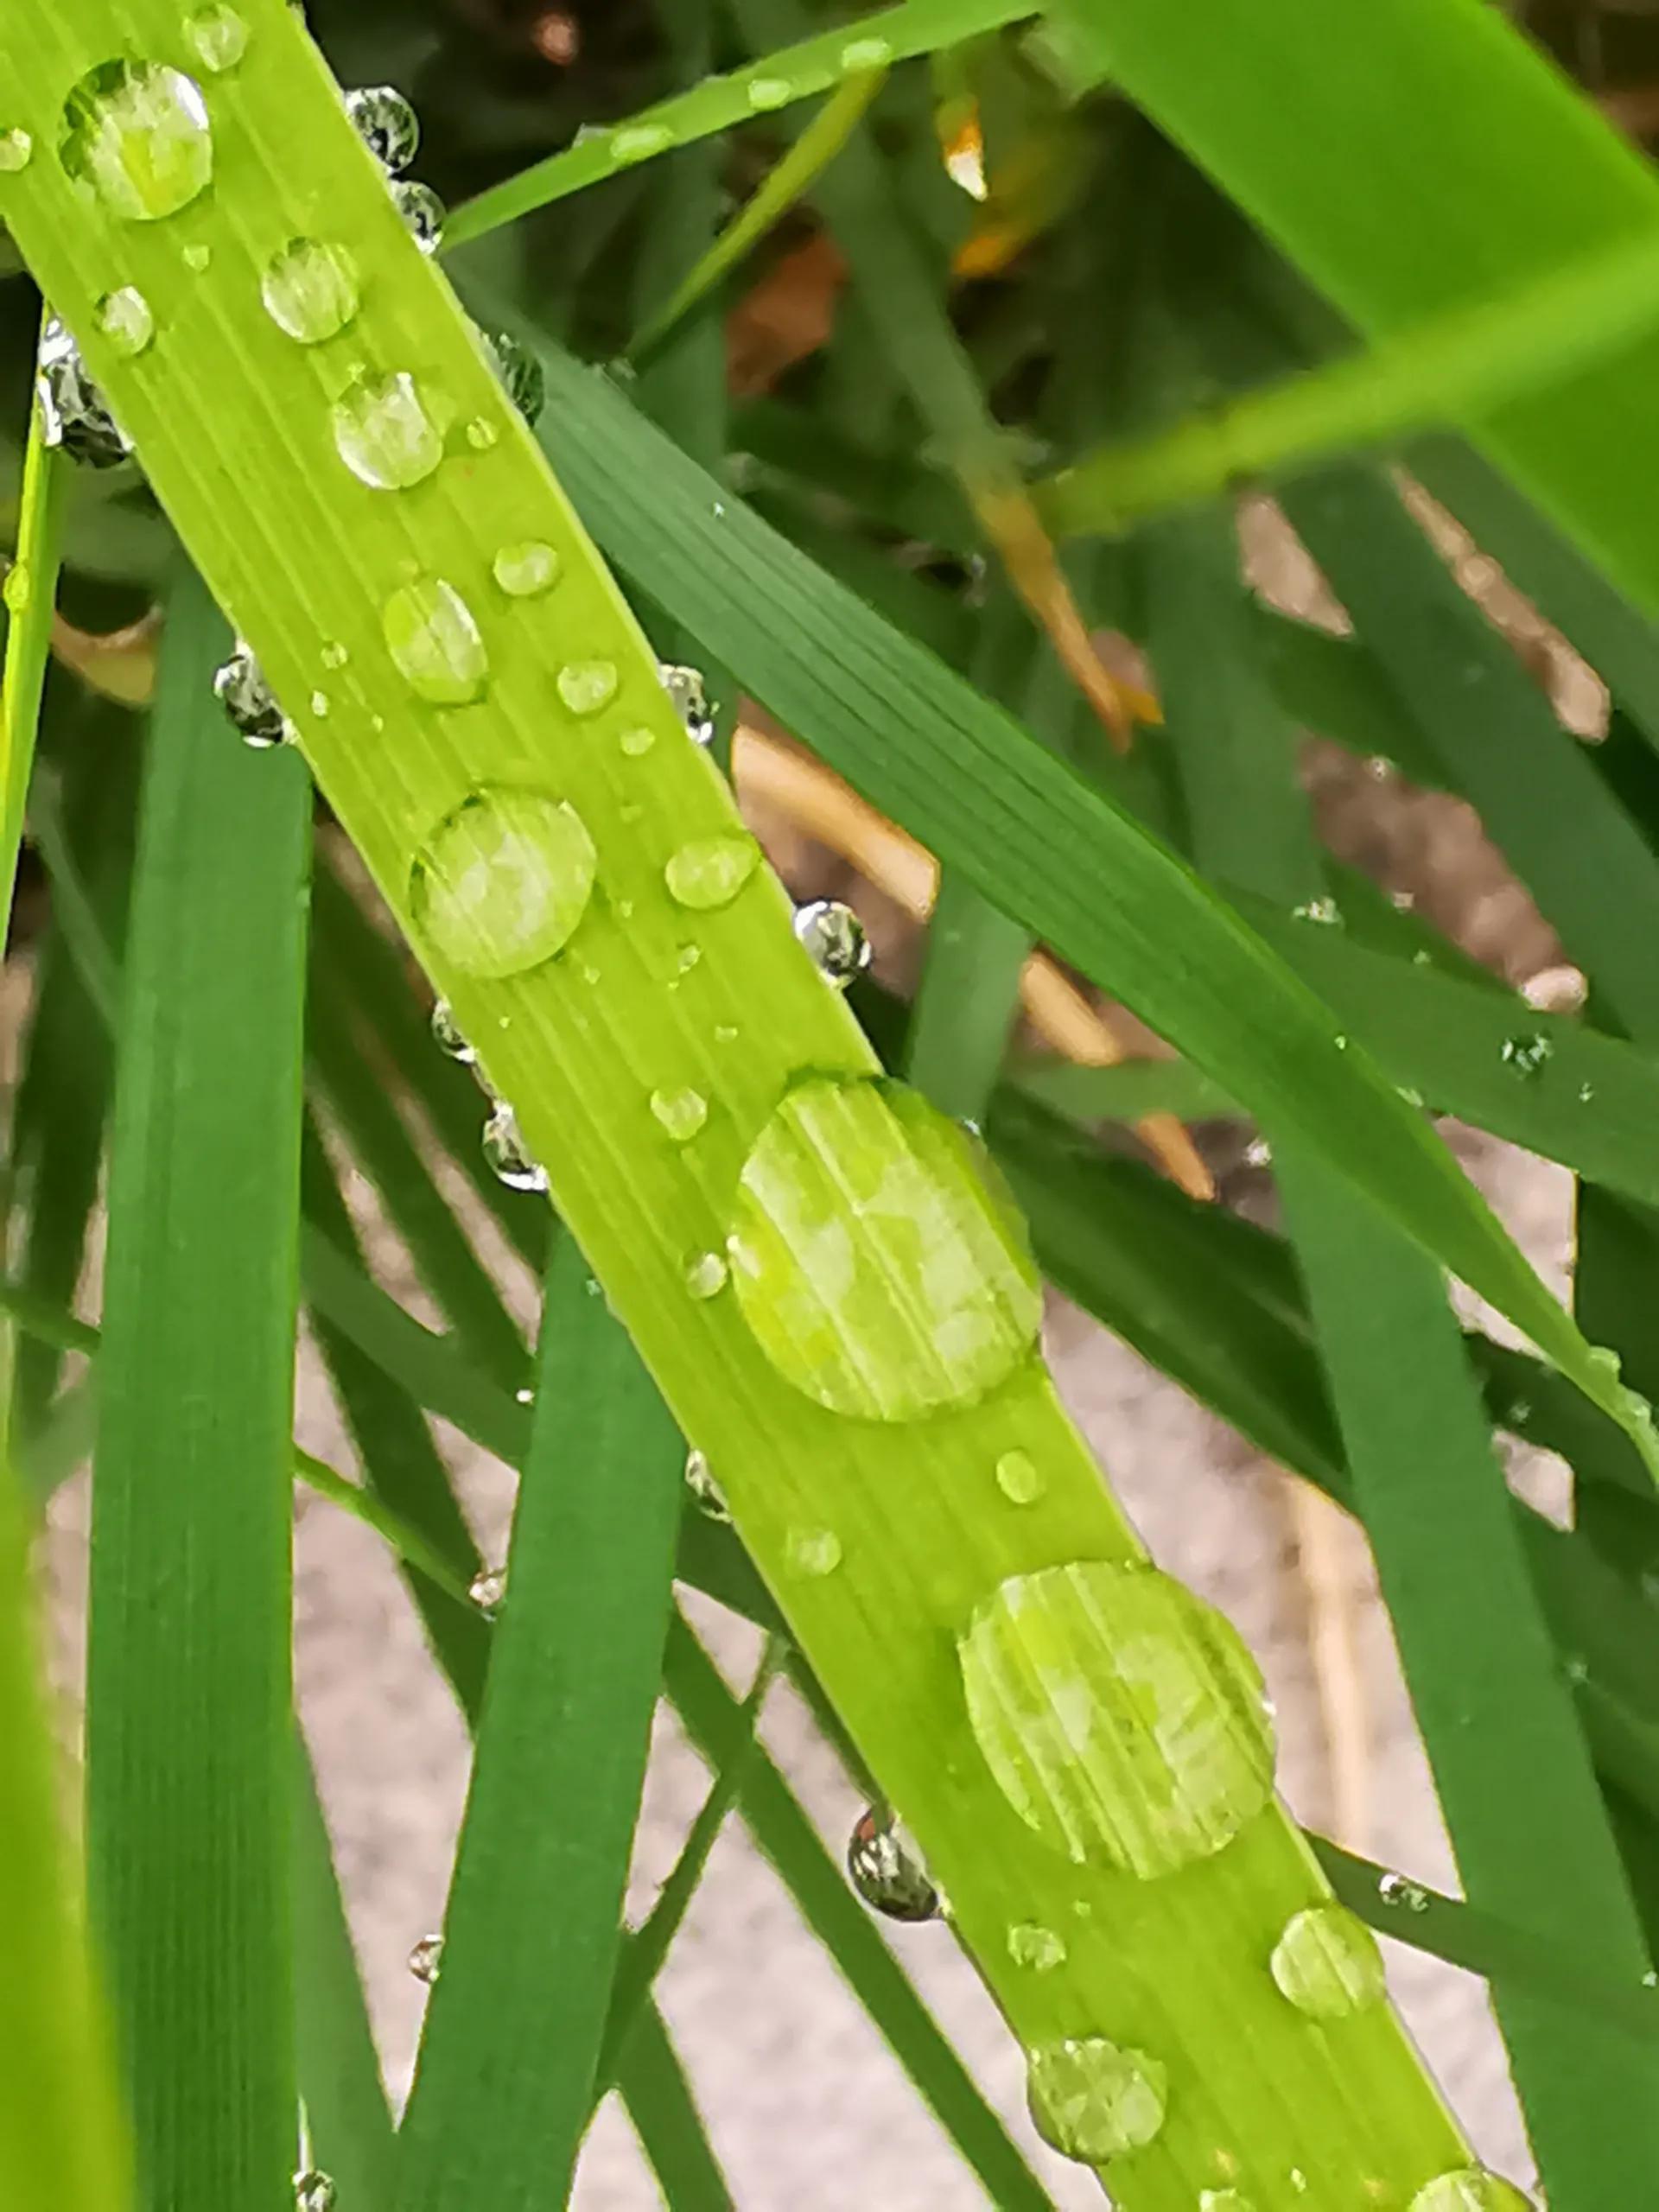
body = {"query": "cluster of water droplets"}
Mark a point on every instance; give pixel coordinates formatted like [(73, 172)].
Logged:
[(390, 130)]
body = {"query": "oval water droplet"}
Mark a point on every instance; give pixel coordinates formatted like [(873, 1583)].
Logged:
[(448, 1037), (1223, 2200), (313, 2192), (766, 94), (387, 430), (488, 1590), (638, 142), (1472, 2189), (689, 697), (866, 54), (386, 123), (16, 151), (124, 318), (435, 644), (334, 655), (1039, 1949), (1122, 1719), (18, 587), (681, 1113), (877, 1271), (1092, 2100), (500, 886), (198, 256), (1328, 1963), (813, 1552), (423, 214), (709, 871), (320, 704), (888, 1871), (833, 940), (706, 1492), (1401, 1894), (481, 433), (705, 1274), (426, 1960), (518, 371), (310, 290), (239, 686), (636, 742), (585, 686), (1020, 1479), (526, 567), (220, 37), (136, 134)]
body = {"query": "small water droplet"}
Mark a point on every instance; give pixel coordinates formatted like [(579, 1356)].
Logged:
[(488, 1590), (1526, 1055), (1318, 910), (333, 654), (423, 214), (526, 567), (16, 151), (705, 1274), (448, 1038), (888, 1871), (518, 371), (709, 871), (19, 587), (385, 431), (1035, 1947), (688, 696), (875, 1268), (310, 290), (1223, 2200), (814, 1552), (1472, 2189), (1092, 2100), (239, 686), (1395, 1891), (74, 414), (1586, 1092), (687, 958), (638, 742), (834, 939), (708, 1497), (320, 705), (426, 1960), (726, 1032), (1123, 1718), (434, 642), (1327, 1963), (481, 433), (313, 2192), (681, 1113), (639, 141), (386, 123), (220, 37), (866, 54), (768, 93), (500, 886), (585, 686), (124, 318), (136, 134), (1020, 1479), (197, 257), (1258, 1152)]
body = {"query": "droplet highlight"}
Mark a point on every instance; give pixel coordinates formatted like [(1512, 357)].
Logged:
[(386, 431), (310, 290), (1328, 1963), (680, 1114), (1123, 1720), (525, 569), (136, 134), (1020, 1479), (518, 372), (639, 141), (1526, 1055), (688, 696), (218, 36), (124, 316), (446, 1035), (435, 644), (768, 93), (587, 686), (888, 1871), (500, 886), (709, 871), (75, 417), (1093, 2101)]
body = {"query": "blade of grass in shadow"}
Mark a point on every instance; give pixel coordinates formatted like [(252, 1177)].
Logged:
[(513, 2034), (30, 591), (189, 1697)]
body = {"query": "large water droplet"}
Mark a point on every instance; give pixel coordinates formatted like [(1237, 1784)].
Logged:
[(1020, 1479), (310, 290), (835, 940), (313, 2192), (1092, 2100), (435, 644), (1472, 2189), (681, 1113), (501, 885), (74, 414), (813, 1552), (124, 318), (138, 134), (876, 1269), (423, 214), (709, 871), (239, 686), (16, 151), (706, 1492), (1123, 1720), (585, 686), (220, 37), (386, 123), (386, 431), (887, 1870), (526, 568), (1037, 1948), (426, 1960), (1327, 1963)]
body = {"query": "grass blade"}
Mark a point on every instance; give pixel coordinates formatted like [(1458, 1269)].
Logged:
[(660, 2103), (31, 589)]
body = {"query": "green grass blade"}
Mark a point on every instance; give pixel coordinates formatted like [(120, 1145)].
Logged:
[(671, 2128), (187, 1663), (30, 592), (513, 2034)]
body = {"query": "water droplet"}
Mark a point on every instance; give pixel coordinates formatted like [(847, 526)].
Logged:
[(16, 151), (74, 414), (239, 686), (197, 257), (423, 214), (310, 290), (481, 433), (835, 940), (488, 1588), (1395, 1891), (687, 958), (815, 1552), (768, 93), (320, 705), (1327, 1963), (448, 1038), (1020, 1479), (638, 142), (681, 1113), (1318, 910), (1223, 2200), (333, 654), (866, 54), (313, 2192), (1035, 1947), (124, 318), (1121, 1717), (526, 567), (506, 1154), (19, 587), (1526, 1055), (709, 871), (501, 885), (136, 134), (710, 1498), (1092, 2100), (518, 371), (1586, 1092), (705, 1274), (386, 123), (385, 432), (877, 1270), (426, 1960), (220, 37), (888, 1871), (690, 698), (434, 642), (1470, 2189), (636, 742), (585, 686)]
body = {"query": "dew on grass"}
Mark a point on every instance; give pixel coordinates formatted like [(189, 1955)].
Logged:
[(508, 1157), (834, 939), (239, 686), (220, 37), (1327, 1963), (310, 290), (888, 1871), (136, 135), (709, 872), (434, 642), (526, 567), (1092, 2100), (387, 432), (680, 1113), (386, 123), (587, 686), (501, 883)]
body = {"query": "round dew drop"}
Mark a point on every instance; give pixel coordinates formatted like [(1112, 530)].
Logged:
[(636, 742), (426, 1960), (16, 150), (1037, 1948), (813, 1551), (386, 123), (833, 940), (888, 1871), (423, 214), (1472, 2189), (434, 642), (1328, 1964), (585, 686), (705, 1274), (1093, 2101), (681, 1113), (709, 871), (239, 686), (1122, 1719), (197, 257), (220, 37), (706, 1492), (385, 431), (136, 134), (124, 319), (18, 587), (448, 1038), (1020, 1479), (310, 290), (488, 1590), (639, 141), (507, 1156), (525, 569), (500, 886), (768, 93), (313, 2192), (875, 1268)]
